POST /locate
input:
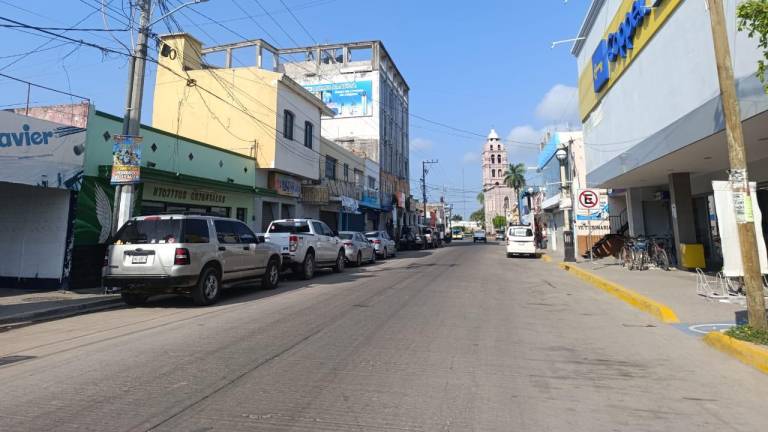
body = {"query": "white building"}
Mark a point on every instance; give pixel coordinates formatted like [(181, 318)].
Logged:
[(499, 199), (653, 121)]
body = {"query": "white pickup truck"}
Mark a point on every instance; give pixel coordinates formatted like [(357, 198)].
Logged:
[(306, 244)]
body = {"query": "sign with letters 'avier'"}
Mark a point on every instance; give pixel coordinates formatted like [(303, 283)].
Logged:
[(40, 153)]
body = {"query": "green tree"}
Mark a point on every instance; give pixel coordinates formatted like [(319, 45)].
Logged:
[(457, 218), (478, 215), (481, 198), (752, 16), (499, 222), (514, 177)]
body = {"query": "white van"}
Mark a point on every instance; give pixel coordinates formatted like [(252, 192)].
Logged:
[(520, 241)]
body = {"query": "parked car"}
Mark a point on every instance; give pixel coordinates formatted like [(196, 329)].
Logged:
[(479, 236), (520, 241), (382, 242), (187, 254), (457, 234), (500, 234), (357, 248), (307, 244), (407, 239), (430, 238)]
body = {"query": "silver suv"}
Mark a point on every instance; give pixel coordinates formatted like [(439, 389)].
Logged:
[(187, 254)]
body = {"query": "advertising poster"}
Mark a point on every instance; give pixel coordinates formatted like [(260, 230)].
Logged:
[(40, 153), (346, 99), (126, 159)]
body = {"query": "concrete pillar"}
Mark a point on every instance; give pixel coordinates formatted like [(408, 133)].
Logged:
[(681, 207), (635, 212)]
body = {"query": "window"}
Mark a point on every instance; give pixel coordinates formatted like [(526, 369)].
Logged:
[(194, 231), (330, 168), (242, 214), (371, 182), (149, 231), (308, 134), (493, 159), (288, 125), (326, 230), (358, 177), (244, 233), (318, 228), (226, 232), (346, 172), (493, 173), (289, 227)]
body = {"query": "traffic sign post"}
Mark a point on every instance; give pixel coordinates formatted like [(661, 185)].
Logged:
[(588, 208)]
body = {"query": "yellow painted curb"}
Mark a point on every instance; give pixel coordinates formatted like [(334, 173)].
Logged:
[(639, 301), (545, 258), (747, 353)]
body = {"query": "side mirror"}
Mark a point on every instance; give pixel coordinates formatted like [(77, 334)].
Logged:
[(335, 233), (260, 239)]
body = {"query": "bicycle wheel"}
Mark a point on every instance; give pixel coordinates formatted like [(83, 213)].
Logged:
[(625, 256), (632, 262), (662, 260)]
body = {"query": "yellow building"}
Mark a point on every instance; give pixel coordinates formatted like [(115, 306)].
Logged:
[(254, 111)]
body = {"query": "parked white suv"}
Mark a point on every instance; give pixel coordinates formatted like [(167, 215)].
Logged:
[(307, 244), (187, 254)]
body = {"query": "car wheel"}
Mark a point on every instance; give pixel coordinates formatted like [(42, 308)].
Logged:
[(339, 266), (384, 254), (509, 255), (359, 260), (271, 277), (208, 287), (134, 299), (308, 266)]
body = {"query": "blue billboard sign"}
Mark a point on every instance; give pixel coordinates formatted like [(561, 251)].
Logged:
[(345, 99)]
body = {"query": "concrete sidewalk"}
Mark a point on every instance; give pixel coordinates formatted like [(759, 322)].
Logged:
[(674, 288), (19, 307)]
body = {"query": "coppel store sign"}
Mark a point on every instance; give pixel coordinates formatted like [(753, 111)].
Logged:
[(619, 41)]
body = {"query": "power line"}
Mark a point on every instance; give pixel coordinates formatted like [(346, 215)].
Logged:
[(66, 28), (299, 22)]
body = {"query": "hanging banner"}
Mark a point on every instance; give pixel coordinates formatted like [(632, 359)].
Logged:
[(126, 159), (725, 207)]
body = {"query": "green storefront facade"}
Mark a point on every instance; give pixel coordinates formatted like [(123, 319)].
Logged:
[(177, 174)]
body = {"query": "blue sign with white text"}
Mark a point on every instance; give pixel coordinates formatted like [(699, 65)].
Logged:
[(618, 42)]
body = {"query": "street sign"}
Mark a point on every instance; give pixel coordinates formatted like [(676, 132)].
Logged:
[(588, 199)]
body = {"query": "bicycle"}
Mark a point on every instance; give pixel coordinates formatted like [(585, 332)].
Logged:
[(634, 253), (658, 253)]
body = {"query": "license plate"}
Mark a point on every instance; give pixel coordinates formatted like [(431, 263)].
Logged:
[(139, 259)]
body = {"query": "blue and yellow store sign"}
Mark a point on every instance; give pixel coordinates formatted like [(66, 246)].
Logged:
[(631, 29)]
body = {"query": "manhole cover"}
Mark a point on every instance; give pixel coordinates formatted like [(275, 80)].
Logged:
[(13, 359)]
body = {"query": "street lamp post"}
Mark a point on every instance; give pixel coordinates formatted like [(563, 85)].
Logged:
[(530, 205), (568, 246)]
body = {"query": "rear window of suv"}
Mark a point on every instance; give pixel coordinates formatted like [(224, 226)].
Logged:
[(158, 231), (289, 227)]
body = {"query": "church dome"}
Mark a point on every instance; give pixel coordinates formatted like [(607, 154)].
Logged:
[(493, 136)]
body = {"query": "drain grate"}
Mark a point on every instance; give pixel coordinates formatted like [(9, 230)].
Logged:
[(13, 359)]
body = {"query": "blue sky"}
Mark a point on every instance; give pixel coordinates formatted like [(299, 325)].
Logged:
[(470, 65)]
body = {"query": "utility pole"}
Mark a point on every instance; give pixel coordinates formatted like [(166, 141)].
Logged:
[(132, 119), (737, 154), (424, 172)]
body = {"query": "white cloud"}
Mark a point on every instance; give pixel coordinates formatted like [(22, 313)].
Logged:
[(470, 157), (421, 144), (525, 134), (559, 105)]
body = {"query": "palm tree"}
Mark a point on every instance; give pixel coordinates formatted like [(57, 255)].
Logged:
[(481, 198), (514, 178)]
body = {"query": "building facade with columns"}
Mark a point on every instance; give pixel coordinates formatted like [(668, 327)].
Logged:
[(499, 199)]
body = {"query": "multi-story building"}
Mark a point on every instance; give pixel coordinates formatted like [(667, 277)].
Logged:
[(360, 82), (499, 200), (252, 110), (653, 122)]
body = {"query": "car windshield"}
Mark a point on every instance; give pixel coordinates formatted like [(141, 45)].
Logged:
[(289, 227), (480, 232), (149, 231), (372, 234), (346, 236)]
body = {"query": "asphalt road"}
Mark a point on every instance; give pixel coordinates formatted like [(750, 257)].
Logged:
[(456, 339)]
